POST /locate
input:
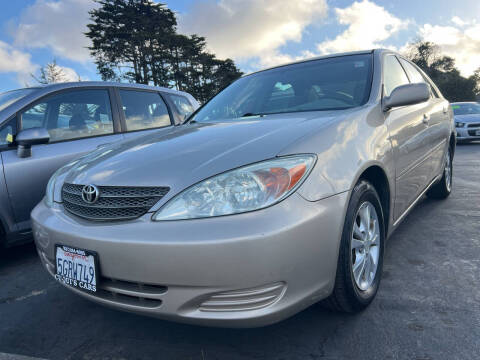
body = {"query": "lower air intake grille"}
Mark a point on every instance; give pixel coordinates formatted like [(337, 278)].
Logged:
[(113, 203)]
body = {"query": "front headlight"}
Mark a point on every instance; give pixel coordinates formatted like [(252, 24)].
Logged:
[(244, 189), (459, 124), (50, 190)]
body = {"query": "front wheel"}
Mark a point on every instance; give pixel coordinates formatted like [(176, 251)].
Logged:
[(443, 188), (360, 257)]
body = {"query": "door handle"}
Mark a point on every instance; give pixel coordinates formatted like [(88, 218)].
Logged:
[(425, 119), (445, 110)]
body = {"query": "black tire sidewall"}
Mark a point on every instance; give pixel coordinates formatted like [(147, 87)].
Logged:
[(362, 192), (449, 154)]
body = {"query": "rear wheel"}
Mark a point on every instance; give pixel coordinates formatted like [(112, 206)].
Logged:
[(360, 257), (443, 188)]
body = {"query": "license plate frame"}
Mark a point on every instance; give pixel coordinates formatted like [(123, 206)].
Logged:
[(89, 287), (477, 133)]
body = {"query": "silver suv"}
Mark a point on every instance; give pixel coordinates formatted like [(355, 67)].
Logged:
[(43, 128)]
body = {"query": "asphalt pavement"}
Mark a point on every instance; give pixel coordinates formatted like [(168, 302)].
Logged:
[(428, 305)]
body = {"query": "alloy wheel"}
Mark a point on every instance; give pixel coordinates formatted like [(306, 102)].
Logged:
[(365, 246), (448, 171)]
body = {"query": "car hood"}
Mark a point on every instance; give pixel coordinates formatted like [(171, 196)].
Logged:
[(468, 118), (181, 156)]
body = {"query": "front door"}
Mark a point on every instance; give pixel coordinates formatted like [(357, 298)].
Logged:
[(408, 128), (78, 121)]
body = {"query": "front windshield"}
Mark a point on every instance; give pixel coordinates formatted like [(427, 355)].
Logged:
[(10, 97), (466, 109), (325, 84)]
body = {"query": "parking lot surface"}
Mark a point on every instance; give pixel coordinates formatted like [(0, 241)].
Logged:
[(428, 305)]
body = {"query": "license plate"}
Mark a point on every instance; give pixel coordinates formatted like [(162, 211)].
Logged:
[(477, 132), (76, 267)]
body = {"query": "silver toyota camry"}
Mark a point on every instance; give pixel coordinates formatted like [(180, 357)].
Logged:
[(278, 193)]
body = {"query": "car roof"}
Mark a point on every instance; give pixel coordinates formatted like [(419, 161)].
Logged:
[(77, 84), (43, 90), (359, 52)]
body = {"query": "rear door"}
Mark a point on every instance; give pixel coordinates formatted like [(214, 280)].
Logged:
[(408, 127), (142, 111), (438, 119), (78, 121)]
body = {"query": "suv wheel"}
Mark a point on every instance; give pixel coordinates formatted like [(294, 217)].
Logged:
[(360, 257)]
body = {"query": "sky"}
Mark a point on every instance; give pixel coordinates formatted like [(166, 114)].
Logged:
[(255, 33)]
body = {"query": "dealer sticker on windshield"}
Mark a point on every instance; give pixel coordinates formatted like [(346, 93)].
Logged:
[(76, 267)]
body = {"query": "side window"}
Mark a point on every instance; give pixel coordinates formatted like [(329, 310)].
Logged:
[(72, 115), (8, 131), (413, 74), (35, 116), (182, 106), (144, 110), (393, 74), (416, 77)]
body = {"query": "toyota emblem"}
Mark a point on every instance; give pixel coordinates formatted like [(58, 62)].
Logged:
[(90, 194)]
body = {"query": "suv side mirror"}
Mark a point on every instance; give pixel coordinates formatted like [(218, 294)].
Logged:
[(409, 94), (26, 138)]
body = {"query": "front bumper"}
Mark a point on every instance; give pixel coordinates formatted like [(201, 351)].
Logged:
[(468, 132), (243, 270)]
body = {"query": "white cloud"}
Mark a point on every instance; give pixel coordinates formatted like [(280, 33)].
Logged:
[(70, 74), (246, 29), (58, 25), (368, 26), (461, 44), (457, 21), (15, 61)]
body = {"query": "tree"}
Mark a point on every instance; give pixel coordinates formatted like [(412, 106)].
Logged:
[(137, 41), (476, 78), (441, 69), (51, 73)]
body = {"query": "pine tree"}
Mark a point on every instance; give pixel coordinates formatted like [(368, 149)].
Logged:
[(137, 41)]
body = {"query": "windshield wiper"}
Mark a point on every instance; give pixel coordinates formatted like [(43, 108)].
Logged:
[(252, 114)]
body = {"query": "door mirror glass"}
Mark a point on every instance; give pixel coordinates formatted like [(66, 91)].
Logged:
[(409, 94), (26, 138)]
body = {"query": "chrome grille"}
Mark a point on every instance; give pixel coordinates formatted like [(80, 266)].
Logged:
[(114, 202), (473, 125)]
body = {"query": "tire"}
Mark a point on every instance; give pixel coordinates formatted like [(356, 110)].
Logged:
[(350, 293), (443, 188)]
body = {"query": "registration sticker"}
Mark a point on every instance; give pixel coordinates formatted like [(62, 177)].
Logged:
[(76, 268)]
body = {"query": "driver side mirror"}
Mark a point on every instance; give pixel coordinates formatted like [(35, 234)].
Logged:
[(26, 138), (409, 94)]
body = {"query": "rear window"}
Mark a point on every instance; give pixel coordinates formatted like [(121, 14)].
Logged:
[(144, 110), (325, 84)]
